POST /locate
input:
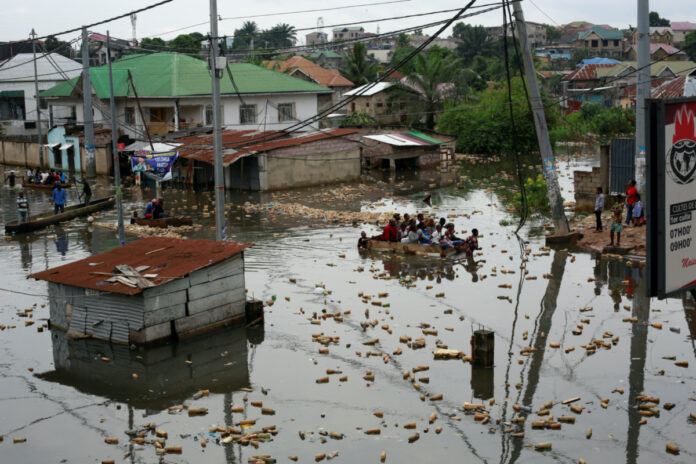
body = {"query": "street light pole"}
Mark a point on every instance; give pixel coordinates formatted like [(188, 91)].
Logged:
[(38, 101), (643, 88), (220, 222), (114, 146), (90, 162)]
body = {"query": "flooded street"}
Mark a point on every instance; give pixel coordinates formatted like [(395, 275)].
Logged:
[(546, 306)]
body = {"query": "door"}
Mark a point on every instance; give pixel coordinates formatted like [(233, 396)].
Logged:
[(158, 121), (70, 153)]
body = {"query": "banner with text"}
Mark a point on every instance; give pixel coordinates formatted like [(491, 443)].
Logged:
[(157, 166)]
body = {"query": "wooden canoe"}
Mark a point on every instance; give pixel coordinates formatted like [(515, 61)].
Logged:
[(174, 221), (47, 219), (44, 187), (414, 249)]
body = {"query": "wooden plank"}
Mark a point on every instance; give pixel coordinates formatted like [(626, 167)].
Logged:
[(204, 304), (166, 300), (216, 286), (150, 334), (206, 319), (165, 314), (169, 287), (131, 273)]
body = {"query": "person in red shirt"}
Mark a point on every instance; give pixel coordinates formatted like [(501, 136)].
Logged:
[(389, 234), (631, 198)]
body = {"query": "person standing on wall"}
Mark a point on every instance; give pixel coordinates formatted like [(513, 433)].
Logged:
[(598, 208), (58, 199), (631, 197), (22, 208)]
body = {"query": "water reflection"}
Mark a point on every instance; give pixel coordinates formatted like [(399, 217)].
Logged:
[(167, 374), (61, 241)]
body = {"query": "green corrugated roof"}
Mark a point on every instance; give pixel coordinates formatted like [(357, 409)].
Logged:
[(427, 138), (680, 68), (326, 54), (605, 34), (12, 93), (171, 74)]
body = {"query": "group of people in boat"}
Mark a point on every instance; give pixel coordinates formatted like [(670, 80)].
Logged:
[(153, 210), (424, 231)]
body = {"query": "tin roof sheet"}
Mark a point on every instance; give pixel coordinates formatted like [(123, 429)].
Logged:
[(169, 258)]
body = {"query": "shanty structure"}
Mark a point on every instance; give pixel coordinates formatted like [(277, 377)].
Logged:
[(273, 160), (407, 149), (148, 290)]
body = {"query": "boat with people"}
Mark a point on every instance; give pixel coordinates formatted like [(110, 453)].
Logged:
[(33, 185), (163, 223), (49, 218), (416, 248)]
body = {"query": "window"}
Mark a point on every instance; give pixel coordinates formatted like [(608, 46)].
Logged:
[(380, 104), (605, 43), (595, 43), (43, 104), (286, 112), (209, 115), (129, 115), (247, 114), (616, 43)]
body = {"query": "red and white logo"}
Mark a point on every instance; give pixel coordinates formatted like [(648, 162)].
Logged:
[(682, 155)]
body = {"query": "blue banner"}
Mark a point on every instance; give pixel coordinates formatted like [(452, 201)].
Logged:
[(157, 166)]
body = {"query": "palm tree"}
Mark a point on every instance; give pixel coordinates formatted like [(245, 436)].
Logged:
[(284, 35), (437, 77), (357, 67), (244, 36)]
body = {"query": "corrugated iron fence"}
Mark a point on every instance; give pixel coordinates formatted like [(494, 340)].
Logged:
[(623, 164)]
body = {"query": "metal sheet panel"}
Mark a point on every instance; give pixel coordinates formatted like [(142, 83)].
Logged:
[(623, 164)]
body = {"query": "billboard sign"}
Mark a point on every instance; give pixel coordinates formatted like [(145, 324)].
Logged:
[(157, 166), (671, 196)]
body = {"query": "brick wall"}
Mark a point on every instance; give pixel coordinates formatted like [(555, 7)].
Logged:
[(586, 183)]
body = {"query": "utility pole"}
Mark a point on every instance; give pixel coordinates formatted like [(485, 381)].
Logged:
[(643, 89), (90, 162), (220, 221), (553, 189), (38, 101), (114, 146)]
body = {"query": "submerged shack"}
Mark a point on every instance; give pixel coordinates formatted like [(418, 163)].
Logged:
[(151, 289)]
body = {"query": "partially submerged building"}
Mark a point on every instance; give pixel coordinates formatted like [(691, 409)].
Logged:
[(151, 289), (408, 149), (274, 160)]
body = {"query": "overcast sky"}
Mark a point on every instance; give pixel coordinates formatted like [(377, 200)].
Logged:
[(47, 16)]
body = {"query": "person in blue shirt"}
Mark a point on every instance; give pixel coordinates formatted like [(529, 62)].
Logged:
[(150, 209), (63, 178), (58, 199)]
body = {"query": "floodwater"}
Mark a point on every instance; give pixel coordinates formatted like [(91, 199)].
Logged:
[(65, 401)]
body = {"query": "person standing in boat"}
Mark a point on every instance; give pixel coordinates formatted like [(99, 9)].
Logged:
[(58, 199), (87, 191), (22, 208)]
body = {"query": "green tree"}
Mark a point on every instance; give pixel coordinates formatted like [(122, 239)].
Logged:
[(437, 77), (399, 55), (357, 67), (61, 47), (184, 43), (403, 41), (243, 37), (578, 55), (657, 21), (552, 34), (155, 43), (486, 128), (281, 35), (690, 45), (473, 42)]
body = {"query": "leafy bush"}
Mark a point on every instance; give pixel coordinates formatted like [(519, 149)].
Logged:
[(537, 198)]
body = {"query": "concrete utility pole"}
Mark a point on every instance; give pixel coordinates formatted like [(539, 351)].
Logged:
[(114, 146), (643, 89), (90, 162), (220, 220), (38, 101), (553, 189)]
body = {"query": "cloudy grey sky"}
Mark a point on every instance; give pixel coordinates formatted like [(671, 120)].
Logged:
[(47, 16)]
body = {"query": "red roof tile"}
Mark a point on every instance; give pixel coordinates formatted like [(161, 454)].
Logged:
[(321, 76), (586, 72), (170, 258), (671, 89)]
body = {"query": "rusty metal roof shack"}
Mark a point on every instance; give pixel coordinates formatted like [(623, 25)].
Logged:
[(150, 289)]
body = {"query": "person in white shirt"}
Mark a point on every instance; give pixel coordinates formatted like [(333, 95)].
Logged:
[(598, 208), (22, 208)]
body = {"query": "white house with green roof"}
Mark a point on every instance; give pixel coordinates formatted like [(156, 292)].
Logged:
[(174, 92), (600, 41)]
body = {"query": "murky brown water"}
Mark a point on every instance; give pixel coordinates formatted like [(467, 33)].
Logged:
[(70, 401)]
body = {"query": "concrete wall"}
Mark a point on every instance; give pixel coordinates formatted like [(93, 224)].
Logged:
[(586, 183), (322, 162), (26, 154)]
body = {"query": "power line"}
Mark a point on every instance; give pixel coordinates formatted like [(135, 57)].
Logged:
[(544, 13)]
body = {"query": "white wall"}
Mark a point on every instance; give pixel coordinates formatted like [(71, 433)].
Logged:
[(29, 100)]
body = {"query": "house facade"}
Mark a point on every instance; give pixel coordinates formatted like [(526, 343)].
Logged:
[(174, 94), (18, 104), (601, 42), (316, 38), (348, 33), (679, 30)]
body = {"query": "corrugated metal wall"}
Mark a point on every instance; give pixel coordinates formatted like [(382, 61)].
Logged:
[(623, 164)]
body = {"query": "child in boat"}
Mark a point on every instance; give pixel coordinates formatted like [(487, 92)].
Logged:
[(472, 241), (617, 220), (362, 241)]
